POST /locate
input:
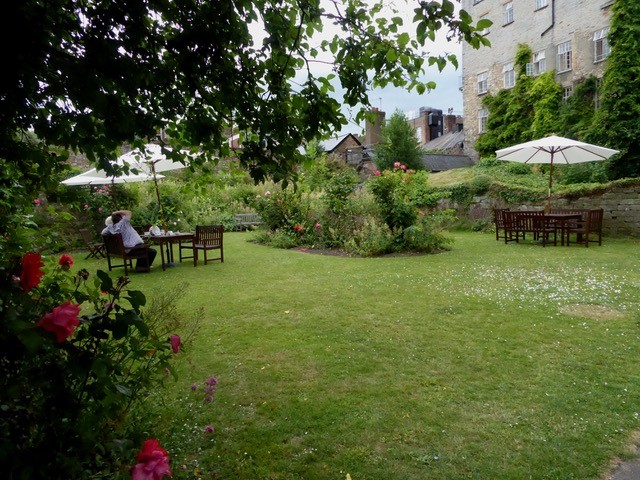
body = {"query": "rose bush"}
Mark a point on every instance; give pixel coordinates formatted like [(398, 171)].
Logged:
[(78, 351), (153, 462)]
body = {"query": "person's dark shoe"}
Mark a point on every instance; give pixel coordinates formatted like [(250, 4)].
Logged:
[(143, 269)]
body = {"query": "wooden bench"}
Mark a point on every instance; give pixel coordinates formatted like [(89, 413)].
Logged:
[(245, 221)]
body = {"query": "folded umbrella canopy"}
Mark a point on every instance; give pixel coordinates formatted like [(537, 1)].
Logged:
[(151, 159), (554, 150)]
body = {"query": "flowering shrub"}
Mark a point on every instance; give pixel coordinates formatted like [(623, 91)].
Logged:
[(281, 209), (153, 462), (392, 191), (77, 353)]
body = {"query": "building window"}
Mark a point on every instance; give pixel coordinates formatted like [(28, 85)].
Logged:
[(483, 114), (538, 65), (419, 134), (564, 57), (541, 4), (509, 75), (601, 48), (508, 13), (484, 31), (483, 81), (596, 95), (566, 93)]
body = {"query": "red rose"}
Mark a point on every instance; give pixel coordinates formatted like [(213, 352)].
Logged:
[(31, 271), (153, 462), (62, 320), (175, 342), (65, 261)]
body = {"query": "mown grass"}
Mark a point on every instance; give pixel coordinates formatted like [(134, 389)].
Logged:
[(475, 363)]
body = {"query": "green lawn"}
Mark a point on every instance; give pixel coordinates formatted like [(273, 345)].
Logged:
[(489, 361)]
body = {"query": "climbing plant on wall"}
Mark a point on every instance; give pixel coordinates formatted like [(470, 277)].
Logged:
[(616, 122)]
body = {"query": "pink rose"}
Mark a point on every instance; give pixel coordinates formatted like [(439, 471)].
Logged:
[(36, 201), (62, 320), (377, 173), (31, 271), (65, 261), (175, 342), (153, 462), (99, 209), (396, 164), (86, 207)]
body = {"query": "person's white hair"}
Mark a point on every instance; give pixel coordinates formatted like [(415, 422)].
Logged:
[(108, 221)]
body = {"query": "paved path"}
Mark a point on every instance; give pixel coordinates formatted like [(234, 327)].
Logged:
[(627, 471)]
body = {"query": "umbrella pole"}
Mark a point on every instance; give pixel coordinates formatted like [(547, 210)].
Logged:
[(114, 194), (550, 181), (155, 181)]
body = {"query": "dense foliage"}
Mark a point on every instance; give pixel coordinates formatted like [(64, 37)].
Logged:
[(70, 376), (398, 145), (617, 121), (391, 212)]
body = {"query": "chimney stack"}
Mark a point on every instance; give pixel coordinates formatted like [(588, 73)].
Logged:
[(373, 128)]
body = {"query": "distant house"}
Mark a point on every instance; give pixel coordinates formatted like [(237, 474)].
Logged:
[(349, 149)]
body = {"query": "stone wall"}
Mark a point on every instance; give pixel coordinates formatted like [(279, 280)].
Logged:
[(621, 208)]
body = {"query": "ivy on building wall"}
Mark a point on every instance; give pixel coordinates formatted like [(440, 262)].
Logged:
[(534, 107), (617, 121)]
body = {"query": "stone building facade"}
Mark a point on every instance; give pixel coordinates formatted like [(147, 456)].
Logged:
[(568, 36)]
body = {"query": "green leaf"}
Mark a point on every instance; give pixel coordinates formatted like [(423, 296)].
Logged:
[(403, 39), (136, 298), (391, 56), (106, 283), (483, 23)]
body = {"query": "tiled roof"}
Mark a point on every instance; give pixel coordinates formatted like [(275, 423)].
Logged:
[(451, 140), (441, 162)]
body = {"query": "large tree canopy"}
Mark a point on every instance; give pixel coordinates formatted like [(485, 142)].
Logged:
[(92, 75)]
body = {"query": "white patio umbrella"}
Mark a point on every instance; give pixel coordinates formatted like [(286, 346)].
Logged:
[(554, 150), (151, 160), (100, 177)]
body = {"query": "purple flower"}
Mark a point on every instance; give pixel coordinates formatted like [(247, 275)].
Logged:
[(212, 381), (208, 399), (209, 429), (194, 387)]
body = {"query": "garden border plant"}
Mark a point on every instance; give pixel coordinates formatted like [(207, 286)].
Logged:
[(77, 354)]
